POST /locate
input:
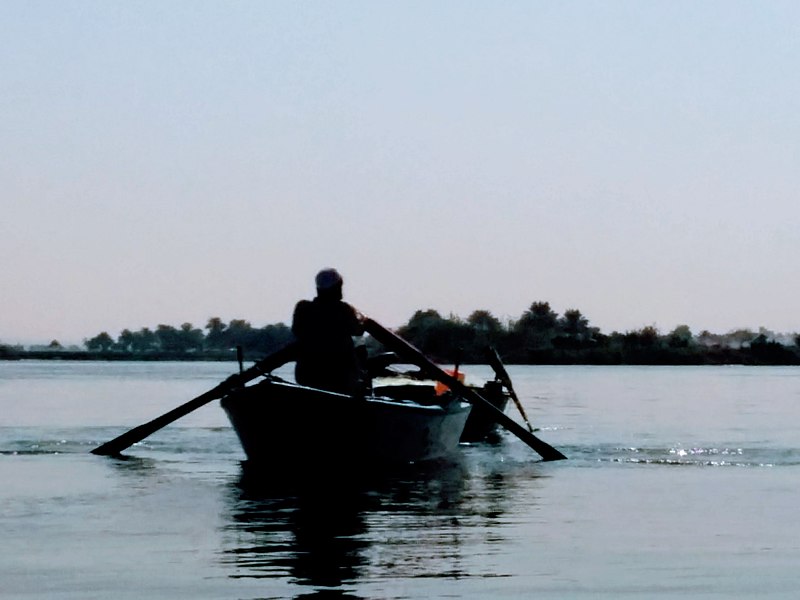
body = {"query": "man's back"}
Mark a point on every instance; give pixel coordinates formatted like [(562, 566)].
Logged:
[(324, 328)]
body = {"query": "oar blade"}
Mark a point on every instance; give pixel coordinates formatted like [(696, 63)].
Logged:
[(138, 433)]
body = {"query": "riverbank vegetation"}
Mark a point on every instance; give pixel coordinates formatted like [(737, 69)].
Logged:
[(541, 336), (538, 336)]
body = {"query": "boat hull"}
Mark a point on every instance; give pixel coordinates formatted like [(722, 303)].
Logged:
[(481, 424), (287, 424)]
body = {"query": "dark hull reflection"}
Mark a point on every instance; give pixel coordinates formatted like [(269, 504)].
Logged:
[(332, 529), (313, 526)]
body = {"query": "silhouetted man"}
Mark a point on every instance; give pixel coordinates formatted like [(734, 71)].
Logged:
[(324, 329)]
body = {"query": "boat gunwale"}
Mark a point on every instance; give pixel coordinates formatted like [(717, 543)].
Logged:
[(456, 404)]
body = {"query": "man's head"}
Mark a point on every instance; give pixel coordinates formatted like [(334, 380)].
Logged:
[(329, 283)]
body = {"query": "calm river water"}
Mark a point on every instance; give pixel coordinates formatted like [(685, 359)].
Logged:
[(682, 483)]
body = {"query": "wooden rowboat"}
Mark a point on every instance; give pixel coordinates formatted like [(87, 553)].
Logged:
[(283, 424), (278, 421)]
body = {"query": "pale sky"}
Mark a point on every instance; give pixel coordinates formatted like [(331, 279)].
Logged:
[(163, 162)]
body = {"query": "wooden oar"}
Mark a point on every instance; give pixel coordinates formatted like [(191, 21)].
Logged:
[(397, 344), (500, 370), (137, 434)]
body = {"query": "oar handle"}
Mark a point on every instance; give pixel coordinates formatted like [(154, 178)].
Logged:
[(500, 370), (498, 367)]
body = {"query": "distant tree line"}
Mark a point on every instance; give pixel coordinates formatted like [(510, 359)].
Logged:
[(538, 336), (542, 336), (219, 338), (165, 342)]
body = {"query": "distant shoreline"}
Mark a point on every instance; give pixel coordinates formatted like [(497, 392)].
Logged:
[(112, 356), (720, 357), (539, 337)]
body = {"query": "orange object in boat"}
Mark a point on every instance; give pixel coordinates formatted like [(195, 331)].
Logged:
[(441, 388)]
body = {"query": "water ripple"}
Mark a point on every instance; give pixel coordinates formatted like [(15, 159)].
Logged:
[(699, 456)]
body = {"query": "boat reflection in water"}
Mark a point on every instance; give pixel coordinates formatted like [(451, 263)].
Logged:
[(439, 521), (310, 532)]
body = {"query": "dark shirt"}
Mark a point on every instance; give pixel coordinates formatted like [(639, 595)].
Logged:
[(324, 329)]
